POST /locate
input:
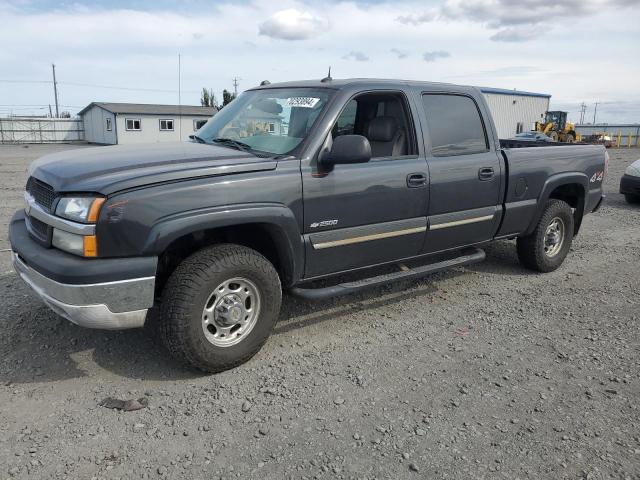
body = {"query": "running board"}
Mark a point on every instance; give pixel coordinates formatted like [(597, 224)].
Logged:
[(469, 256)]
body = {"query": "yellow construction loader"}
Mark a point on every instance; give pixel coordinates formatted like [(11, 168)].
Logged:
[(555, 125)]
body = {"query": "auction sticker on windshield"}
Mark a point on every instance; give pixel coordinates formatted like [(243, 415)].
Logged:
[(304, 102)]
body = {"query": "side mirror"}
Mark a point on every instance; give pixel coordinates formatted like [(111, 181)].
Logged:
[(348, 149)]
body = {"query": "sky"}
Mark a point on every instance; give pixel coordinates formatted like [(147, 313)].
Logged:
[(116, 51)]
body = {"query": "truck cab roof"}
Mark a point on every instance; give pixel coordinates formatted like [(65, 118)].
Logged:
[(373, 83)]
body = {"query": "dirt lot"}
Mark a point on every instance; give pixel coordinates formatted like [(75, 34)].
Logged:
[(483, 372)]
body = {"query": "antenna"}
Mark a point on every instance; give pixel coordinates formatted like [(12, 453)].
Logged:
[(328, 77)]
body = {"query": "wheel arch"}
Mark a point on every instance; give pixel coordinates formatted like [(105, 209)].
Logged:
[(272, 230), (570, 187)]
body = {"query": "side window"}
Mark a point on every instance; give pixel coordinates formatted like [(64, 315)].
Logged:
[(347, 121), (382, 117), (455, 125)]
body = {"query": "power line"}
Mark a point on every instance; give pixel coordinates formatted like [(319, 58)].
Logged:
[(4, 80), (95, 85), (113, 87)]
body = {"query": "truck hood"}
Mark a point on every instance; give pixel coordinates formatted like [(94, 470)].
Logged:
[(109, 169)]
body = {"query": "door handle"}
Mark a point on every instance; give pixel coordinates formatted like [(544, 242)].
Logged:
[(486, 173), (416, 180)]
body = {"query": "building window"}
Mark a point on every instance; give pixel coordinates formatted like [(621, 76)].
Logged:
[(198, 124), (133, 124), (519, 127), (272, 127), (108, 125), (166, 125)]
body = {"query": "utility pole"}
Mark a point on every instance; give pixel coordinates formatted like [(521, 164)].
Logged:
[(235, 86), (50, 114), (55, 89), (179, 98), (595, 110), (583, 110)]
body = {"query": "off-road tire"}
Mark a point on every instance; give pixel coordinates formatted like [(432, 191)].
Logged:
[(569, 138), (633, 199), (531, 248), (187, 290)]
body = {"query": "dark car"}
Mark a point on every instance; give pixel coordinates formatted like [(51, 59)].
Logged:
[(288, 184), (630, 183), (532, 137)]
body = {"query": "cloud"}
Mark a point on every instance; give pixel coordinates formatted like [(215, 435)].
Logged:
[(399, 53), (435, 55), (292, 24), (414, 19), (357, 56), (515, 19), (517, 34), (505, 13)]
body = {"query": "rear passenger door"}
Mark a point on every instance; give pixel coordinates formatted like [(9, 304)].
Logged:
[(465, 173)]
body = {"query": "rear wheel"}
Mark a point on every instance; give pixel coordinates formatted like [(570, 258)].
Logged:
[(553, 136), (219, 307), (569, 138), (632, 198), (546, 248)]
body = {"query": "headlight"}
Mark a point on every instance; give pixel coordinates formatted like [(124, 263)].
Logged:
[(633, 169), (80, 209), (83, 245)]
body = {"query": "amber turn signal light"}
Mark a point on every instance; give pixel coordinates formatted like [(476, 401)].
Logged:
[(90, 246), (94, 211)]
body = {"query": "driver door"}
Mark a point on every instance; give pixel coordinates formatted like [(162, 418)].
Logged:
[(363, 214)]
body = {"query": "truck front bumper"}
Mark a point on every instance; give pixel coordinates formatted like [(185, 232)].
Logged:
[(85, 291)]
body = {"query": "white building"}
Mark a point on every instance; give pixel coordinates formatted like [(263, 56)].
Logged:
[(514, 111), (126, 123)]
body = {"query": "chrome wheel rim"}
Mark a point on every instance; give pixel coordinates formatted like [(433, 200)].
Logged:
[(231, 312), (554, 237)]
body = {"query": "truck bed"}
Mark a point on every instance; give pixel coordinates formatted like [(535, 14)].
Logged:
[(532, 174)]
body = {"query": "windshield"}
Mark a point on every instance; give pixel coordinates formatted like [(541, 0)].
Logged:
[(269, 121)]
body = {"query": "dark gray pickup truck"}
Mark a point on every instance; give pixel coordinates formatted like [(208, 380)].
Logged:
[(289, 184)]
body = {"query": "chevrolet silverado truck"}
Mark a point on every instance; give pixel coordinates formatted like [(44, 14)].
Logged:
[(290, 187)]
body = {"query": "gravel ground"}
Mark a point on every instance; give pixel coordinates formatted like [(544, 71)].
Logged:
[(488, 372)]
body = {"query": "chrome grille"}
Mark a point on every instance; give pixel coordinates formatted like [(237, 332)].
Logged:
[(42, 193)]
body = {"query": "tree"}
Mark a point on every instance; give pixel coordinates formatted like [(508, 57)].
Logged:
[(208, 98), (227, 97), (65, 114)]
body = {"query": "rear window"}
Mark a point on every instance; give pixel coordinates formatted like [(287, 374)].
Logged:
[(455, 125)]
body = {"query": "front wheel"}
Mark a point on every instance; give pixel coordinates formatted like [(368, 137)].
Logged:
[(219, 307), (546, 248)]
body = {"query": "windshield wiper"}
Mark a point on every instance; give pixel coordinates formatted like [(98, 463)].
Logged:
[(197, 138), (230, 142)]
